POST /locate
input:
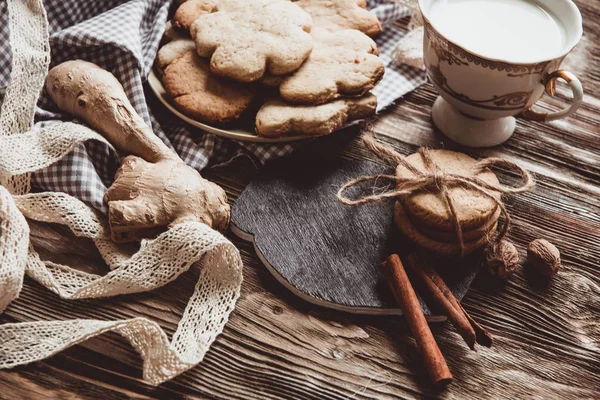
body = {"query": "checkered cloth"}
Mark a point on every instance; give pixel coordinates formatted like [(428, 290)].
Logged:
[(122, 37)]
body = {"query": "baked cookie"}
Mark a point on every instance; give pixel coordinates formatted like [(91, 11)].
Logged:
[(245, 39), (429, 208), (405, 226), (341, 14), (343, 63), (189, 11), (170, 52), (272, 81), (450, 236), (201, 95), (277, 118), (171, 34)]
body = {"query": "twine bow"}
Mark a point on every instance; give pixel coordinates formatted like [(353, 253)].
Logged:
[(437, 180)]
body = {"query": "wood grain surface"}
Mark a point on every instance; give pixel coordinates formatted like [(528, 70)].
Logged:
[(547, 335)]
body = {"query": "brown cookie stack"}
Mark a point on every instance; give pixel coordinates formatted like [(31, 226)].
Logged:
[(314, 57), (425, 218)]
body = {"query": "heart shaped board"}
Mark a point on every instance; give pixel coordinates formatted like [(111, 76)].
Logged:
[(323, 251)]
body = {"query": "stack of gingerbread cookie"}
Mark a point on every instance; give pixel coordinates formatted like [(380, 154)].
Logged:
[(308, 64), (425, 217)]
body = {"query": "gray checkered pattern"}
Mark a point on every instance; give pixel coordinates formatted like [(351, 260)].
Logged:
[(123, 36), (398, 79)]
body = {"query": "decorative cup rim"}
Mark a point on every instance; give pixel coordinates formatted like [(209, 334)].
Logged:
[(567, 48)]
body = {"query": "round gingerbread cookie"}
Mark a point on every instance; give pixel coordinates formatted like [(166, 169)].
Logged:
[(450, 236), (199, 94), (448, 249), (429, 208), (171, 52)]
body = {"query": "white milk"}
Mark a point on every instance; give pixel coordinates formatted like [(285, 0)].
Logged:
[(511, 30)]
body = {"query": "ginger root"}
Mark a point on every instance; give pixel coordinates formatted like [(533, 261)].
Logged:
[(148, 196), (93, 94), (153, 188)]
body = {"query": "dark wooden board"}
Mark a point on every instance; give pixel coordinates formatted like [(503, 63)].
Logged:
[(323, 251)]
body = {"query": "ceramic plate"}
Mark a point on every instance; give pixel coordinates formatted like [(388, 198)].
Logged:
[(244, 132)]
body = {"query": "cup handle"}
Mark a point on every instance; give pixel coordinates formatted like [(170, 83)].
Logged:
[(550, 83)]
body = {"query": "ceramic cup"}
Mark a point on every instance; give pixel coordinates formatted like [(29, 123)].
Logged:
[(479, 95)]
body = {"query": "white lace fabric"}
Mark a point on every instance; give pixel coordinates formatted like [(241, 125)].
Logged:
[(158, 262)]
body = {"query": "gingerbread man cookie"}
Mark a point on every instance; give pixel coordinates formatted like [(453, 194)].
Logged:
[(341, 14), (277, 118), (189, 11), (342, 64), (245, 39)]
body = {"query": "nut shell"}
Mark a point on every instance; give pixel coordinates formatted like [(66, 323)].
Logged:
[(502, 259), (544, 257)]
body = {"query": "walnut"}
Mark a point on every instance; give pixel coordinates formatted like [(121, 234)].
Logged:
[(544, 257), (502, 259)]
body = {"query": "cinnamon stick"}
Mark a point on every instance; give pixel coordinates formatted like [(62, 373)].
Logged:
[(455, 315), (465, 325), (409, 304), (484, 338)]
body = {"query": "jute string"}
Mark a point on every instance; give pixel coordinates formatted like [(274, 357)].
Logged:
[(436, 180), (157, 262)]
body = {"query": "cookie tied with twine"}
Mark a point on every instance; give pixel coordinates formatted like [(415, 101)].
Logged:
[(446, 192)]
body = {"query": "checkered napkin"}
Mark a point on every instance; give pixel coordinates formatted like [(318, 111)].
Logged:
[(122, 37)]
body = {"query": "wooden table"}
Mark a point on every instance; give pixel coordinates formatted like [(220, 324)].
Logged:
[(547, 336)]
